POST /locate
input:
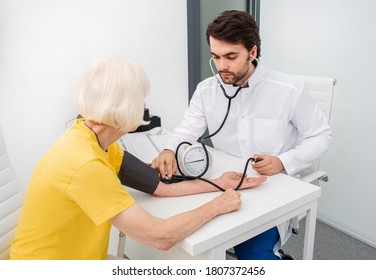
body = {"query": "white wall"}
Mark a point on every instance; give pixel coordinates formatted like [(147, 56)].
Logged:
[(46, 45), (334, 38)]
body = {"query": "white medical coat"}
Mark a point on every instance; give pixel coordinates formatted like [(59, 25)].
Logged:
[(274, 115)]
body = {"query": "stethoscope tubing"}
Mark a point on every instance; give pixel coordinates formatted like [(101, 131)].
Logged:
[(199, 177)]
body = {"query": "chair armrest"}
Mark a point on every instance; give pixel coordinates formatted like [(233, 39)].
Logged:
[(317, 175)]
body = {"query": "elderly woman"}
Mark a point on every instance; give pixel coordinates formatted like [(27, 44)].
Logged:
[(76, 191)]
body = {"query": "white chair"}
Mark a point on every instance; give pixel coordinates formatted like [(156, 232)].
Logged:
[(321, 89), (11, 200)]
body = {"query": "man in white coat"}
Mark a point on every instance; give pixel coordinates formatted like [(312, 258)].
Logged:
[(272, 118)]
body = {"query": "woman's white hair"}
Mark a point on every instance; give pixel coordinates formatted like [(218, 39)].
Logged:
[(112, 93)]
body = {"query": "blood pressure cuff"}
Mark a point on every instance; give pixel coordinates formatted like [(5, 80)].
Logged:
[(136, 174)]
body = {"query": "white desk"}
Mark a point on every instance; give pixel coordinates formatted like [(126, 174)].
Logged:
[(278, 199)]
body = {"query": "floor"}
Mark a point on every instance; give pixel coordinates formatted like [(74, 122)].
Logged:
[(330, 244)]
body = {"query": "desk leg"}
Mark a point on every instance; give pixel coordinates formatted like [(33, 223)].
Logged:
[(309, 236), (217, 253)]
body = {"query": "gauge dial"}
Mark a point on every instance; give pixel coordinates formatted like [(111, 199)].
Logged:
[(194, 161)]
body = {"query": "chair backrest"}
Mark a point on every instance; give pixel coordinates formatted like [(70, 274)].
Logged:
[(321, 90), (11, 200)]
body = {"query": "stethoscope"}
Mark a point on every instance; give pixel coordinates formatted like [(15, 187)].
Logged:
[(178, 178)]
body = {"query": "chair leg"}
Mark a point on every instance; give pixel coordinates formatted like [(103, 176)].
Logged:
[(121, 245), (231, 253), (295, 225), (324, 178)]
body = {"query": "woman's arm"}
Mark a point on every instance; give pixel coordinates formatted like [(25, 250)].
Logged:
[(165, 233), (228, 180)]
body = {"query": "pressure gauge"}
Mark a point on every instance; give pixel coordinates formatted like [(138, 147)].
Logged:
[(193, 161)]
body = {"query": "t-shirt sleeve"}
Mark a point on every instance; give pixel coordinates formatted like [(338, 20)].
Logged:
[(98, 192)]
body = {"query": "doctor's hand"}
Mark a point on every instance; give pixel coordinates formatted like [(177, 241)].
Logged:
[(268, 165), (231, 179), (165, 163)]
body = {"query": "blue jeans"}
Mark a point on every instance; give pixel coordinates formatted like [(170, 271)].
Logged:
[(259, 247)]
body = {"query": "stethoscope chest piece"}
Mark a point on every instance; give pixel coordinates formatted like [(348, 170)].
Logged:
[(193, 161)]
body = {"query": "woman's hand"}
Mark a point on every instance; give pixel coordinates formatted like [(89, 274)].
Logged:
[(231, 179)]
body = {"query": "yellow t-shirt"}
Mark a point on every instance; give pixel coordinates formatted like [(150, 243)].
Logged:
[(72, 194)]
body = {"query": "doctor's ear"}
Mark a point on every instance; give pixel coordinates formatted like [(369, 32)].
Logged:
[(253, 52)]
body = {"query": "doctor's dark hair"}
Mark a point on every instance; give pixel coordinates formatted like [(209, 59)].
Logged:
[(235, 27)]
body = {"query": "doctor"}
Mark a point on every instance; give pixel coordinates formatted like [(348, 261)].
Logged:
[(266, 120)]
